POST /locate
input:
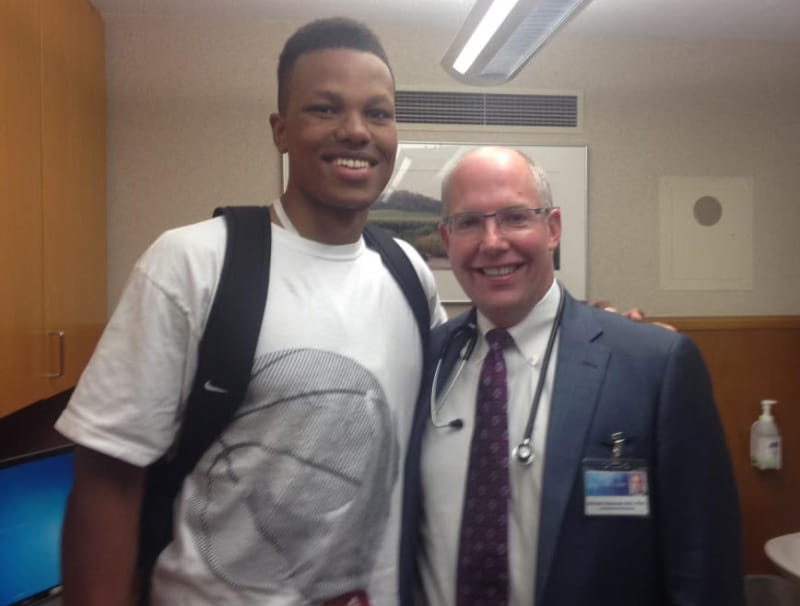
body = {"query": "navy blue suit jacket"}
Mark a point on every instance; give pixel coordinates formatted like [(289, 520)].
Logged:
[(614, 375)]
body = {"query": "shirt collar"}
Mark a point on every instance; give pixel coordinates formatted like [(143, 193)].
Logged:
[(531, 334)]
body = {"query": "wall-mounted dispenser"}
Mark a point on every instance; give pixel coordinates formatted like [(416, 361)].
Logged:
[(765, 440)]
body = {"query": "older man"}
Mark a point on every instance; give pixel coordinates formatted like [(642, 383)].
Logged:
[(521, 494)]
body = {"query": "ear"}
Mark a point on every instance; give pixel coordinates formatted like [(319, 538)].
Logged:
[(554, 228), (278, 125)]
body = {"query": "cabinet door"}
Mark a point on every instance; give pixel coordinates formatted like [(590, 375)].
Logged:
[(21, 363), (73, 185)]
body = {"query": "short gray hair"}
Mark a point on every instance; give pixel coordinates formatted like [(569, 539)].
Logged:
[(541, 183)]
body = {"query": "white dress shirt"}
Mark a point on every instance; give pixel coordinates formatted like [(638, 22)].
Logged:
[(445, 457)]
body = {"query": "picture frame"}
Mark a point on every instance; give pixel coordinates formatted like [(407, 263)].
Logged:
[(410, 206)]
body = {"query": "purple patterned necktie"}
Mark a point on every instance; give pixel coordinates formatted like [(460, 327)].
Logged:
[(483, 578)]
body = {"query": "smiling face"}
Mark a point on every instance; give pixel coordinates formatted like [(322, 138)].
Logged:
[(504, 273), (339, 130)]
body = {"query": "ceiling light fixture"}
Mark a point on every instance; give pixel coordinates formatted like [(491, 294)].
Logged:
[(500, 36)]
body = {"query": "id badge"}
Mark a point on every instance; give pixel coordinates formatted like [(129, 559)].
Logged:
[(616, 487)]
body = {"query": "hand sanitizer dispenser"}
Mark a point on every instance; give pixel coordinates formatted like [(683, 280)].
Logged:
[(765, 440)]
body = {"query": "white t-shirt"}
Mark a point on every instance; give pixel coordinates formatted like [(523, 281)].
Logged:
[(298, 500)]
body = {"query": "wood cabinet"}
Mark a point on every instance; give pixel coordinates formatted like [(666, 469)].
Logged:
[(52, 192), (20, 195)]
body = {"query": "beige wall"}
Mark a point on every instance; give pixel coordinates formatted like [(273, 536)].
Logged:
[(188, 130)]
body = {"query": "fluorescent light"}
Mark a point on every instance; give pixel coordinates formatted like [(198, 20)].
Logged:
[(500, 36), (487, 28)]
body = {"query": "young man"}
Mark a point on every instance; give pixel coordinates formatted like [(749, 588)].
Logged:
[(538, 480), (297, 501)]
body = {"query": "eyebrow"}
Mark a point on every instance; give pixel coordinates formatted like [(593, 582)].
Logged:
[(337, 97)]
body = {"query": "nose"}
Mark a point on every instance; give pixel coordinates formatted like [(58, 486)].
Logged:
[(493, 238), (353, 128)]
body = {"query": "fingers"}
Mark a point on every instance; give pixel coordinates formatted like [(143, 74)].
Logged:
[(635, 314)]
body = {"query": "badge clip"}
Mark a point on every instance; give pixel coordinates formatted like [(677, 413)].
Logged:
[(617, 442)]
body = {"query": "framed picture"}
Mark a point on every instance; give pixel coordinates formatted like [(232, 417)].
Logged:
[(410, 207)]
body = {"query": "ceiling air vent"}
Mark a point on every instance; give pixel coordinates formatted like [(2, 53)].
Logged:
[(487, 109)]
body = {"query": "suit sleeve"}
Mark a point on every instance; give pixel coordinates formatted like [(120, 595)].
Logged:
[(695, 497)]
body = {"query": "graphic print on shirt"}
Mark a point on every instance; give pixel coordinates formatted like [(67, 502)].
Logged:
[(296, 492)]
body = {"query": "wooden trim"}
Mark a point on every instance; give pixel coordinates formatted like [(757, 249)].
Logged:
[(700, 323)]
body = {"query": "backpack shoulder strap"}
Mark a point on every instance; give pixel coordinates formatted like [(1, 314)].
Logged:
[(225, 360), (397, 262), (228, 345)]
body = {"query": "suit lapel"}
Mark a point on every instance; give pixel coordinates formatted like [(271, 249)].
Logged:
[(445, 352), (579, 375)]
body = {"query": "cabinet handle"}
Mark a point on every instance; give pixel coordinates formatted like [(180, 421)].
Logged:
[(60, 335)]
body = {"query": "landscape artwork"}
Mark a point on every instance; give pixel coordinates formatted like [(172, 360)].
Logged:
[(410, 207)]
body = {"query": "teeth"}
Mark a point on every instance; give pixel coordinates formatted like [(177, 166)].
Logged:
[(498, 271), (351, 163)]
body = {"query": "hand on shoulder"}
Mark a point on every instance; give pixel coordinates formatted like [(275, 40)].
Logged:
[(635, 314)]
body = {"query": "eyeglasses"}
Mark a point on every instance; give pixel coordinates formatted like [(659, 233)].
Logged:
[(508, 220)]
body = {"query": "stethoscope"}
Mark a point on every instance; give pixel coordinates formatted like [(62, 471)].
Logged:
[(523, 452)]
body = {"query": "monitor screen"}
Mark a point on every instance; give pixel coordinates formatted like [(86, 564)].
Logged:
[(33, 498)]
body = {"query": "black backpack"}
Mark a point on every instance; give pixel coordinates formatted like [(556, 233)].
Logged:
[(225, 360)]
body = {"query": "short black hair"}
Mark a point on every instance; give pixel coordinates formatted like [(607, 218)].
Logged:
[(322, 34)]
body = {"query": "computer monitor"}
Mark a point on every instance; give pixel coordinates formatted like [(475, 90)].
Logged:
[(33, 498)]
